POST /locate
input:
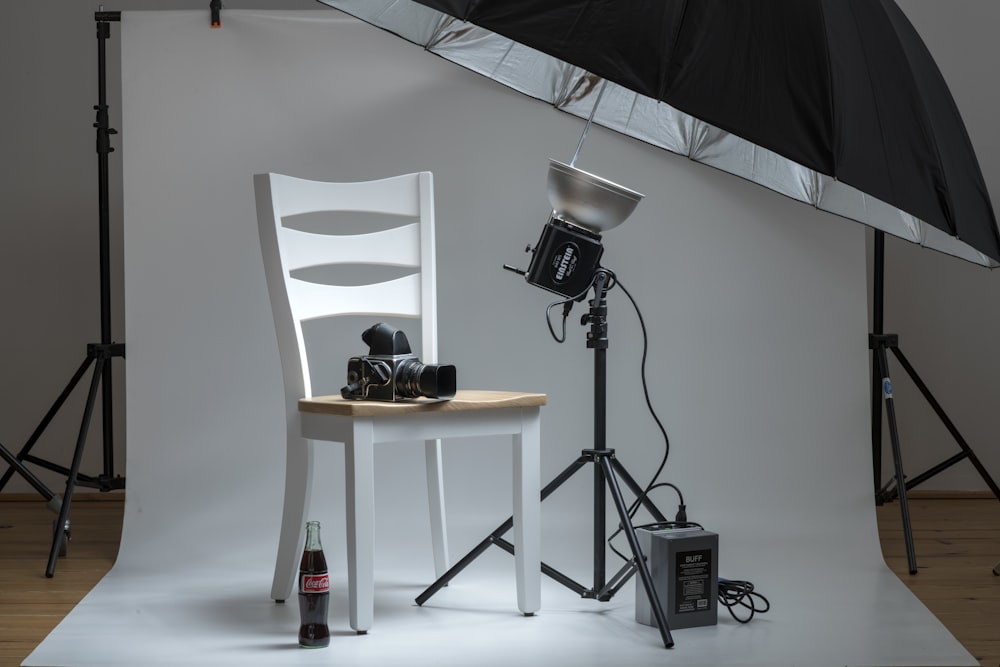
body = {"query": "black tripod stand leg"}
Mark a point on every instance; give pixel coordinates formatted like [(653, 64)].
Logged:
[(30, 477), (876, 395), (952, 429), (494, 537), (465, 561), (897, 460), (42, 425), (637, 490), (61, 524), (640, 561)]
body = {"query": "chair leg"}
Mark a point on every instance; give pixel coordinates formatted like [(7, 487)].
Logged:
[(435, 501), (360, 488), (291, 539), (527, 510)]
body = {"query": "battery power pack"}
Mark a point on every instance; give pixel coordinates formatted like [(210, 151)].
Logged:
[(684, 566)]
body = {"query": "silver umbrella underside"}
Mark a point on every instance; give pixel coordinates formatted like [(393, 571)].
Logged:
[(575, 91)]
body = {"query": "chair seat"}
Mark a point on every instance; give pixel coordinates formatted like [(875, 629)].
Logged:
[(464, 400)]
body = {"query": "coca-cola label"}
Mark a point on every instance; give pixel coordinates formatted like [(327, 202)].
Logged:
[(315, 583)]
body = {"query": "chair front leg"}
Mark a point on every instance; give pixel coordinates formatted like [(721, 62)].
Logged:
[(527, 510), (360, 488), (435, 501)]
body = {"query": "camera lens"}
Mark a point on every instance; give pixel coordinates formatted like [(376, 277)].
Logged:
[(415, 379)]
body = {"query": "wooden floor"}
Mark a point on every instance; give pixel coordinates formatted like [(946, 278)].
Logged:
[(957, 545)]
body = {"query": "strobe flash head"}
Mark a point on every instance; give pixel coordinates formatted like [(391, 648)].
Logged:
[(565, 258), (569, 251)]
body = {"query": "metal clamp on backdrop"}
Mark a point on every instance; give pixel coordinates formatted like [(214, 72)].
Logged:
[(216, 8)]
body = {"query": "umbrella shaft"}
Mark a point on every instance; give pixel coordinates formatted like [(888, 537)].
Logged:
[(590, 120)]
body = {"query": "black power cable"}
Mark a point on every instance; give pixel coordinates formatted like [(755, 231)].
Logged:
[(735, 593)]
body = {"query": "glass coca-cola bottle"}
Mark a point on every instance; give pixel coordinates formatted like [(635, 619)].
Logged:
[(314, 591)]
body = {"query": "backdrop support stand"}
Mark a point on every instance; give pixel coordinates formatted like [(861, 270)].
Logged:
[(897, 486), (99, 354), (607, 470)]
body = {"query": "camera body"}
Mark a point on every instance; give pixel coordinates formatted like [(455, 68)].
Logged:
[(391, 372)]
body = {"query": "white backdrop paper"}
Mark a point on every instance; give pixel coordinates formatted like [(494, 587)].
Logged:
[(755, 307)]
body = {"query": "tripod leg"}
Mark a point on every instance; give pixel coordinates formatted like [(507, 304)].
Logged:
[(30, 477), (600, 523), (42, 425), (465, 561), (878, 372), (637, 490), (495, 537), (60, 532), (897, 460), (640, 561), (952, 429)]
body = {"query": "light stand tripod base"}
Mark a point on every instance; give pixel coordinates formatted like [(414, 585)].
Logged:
[(606, 474), (606, 471), (103, 355), (879, 342)]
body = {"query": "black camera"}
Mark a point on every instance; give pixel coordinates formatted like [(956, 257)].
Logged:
[(391, 372)]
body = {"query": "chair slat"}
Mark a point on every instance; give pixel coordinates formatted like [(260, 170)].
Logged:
[(399, 246), (295, 196), (394, 297)]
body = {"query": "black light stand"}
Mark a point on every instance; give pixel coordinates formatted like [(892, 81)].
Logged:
[(606, 466), (99, 354), (879, 342)]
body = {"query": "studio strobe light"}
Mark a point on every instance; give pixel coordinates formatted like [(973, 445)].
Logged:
[(566, 261), (568, 253)]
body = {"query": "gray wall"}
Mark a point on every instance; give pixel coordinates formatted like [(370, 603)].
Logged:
[(49, 266)]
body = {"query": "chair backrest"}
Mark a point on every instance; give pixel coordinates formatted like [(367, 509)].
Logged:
[(287, 251)]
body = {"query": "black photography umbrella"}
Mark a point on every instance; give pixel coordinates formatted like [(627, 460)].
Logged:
[(835, 103)]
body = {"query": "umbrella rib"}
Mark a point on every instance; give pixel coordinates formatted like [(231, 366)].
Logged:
[(932, 139), (389, 6), (830, 93), (510, 47), (664, 82), (878, 111)]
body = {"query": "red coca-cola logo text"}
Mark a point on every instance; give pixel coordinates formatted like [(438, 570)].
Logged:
[(315, 583)]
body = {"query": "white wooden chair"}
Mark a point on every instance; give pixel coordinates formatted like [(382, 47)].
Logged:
[(360, 425)]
